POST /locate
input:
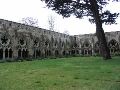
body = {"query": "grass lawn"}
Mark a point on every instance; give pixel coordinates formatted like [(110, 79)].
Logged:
[(76, 73)]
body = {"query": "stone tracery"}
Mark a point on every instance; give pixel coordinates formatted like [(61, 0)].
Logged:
[(44, 43), (114, 46), (5, 40), (87, 48)]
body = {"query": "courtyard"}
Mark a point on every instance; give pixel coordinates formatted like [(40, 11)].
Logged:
[(73, 73)]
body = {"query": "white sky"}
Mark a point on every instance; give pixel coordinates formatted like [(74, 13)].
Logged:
[(15, 10)]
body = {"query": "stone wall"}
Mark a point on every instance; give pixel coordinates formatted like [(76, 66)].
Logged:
[(19, 41), (88, 43)]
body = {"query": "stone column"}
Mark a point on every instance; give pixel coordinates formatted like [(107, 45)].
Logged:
[(87, 52), (3, 53), (21, 52), (80, 50), (30, 52), (83, 51), (15, 53), (60, 53), (93, 53), (42, 53), (8, 54), (53, 53), (35, 52), (12, 55), (69, 52)]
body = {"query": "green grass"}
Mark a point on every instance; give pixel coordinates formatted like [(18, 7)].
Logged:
[(76, 73)]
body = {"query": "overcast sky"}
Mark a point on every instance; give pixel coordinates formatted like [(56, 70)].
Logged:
[(15, 10)]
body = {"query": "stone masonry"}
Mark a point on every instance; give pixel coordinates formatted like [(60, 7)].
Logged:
[(19, 41)]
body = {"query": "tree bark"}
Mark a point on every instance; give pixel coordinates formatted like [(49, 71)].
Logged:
[(104, 50)]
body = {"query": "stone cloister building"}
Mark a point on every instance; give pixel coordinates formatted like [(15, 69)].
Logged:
[(19, 41)]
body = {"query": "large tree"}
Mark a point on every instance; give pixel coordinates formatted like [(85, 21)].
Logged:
[(91, 8)]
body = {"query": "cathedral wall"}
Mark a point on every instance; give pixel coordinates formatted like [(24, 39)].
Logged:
[(19, 41)]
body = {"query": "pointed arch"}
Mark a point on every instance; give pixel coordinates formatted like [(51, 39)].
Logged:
[(49, 52), (114, 46), (56, 53), (1, 53), (97, 48), (64, 53), (19, 53), (86, 48), (23, 53), (10, 53), (6, 53), (38, 53)]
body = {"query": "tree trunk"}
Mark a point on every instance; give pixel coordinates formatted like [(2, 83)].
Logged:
[(104, 50)]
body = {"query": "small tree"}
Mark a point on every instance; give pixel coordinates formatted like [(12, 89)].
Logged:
[(30, 21), (51, 22), (91, 8)]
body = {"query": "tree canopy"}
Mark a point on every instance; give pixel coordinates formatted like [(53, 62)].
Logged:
[(81, 8)]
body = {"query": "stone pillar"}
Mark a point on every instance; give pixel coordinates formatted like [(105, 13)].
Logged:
[(53, 53), (80, 50), (87, 52), (93, 53), (83, 51), (42, 53), (30, 52), (3, 53), (35, 52), (60, 53), (12, 55), (15, 54), (8, 54), (69, 52), (21, 53)]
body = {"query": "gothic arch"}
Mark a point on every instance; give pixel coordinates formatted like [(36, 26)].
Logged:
[(56, 53), (73, 52), (86, 48), (49, 52), (6, 53), (37, 53), (23, 53), (19, 53), (114, 46), (97, 48), (1, 53), (64, 53), (10, 53), (22, 40), (56, 43)]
